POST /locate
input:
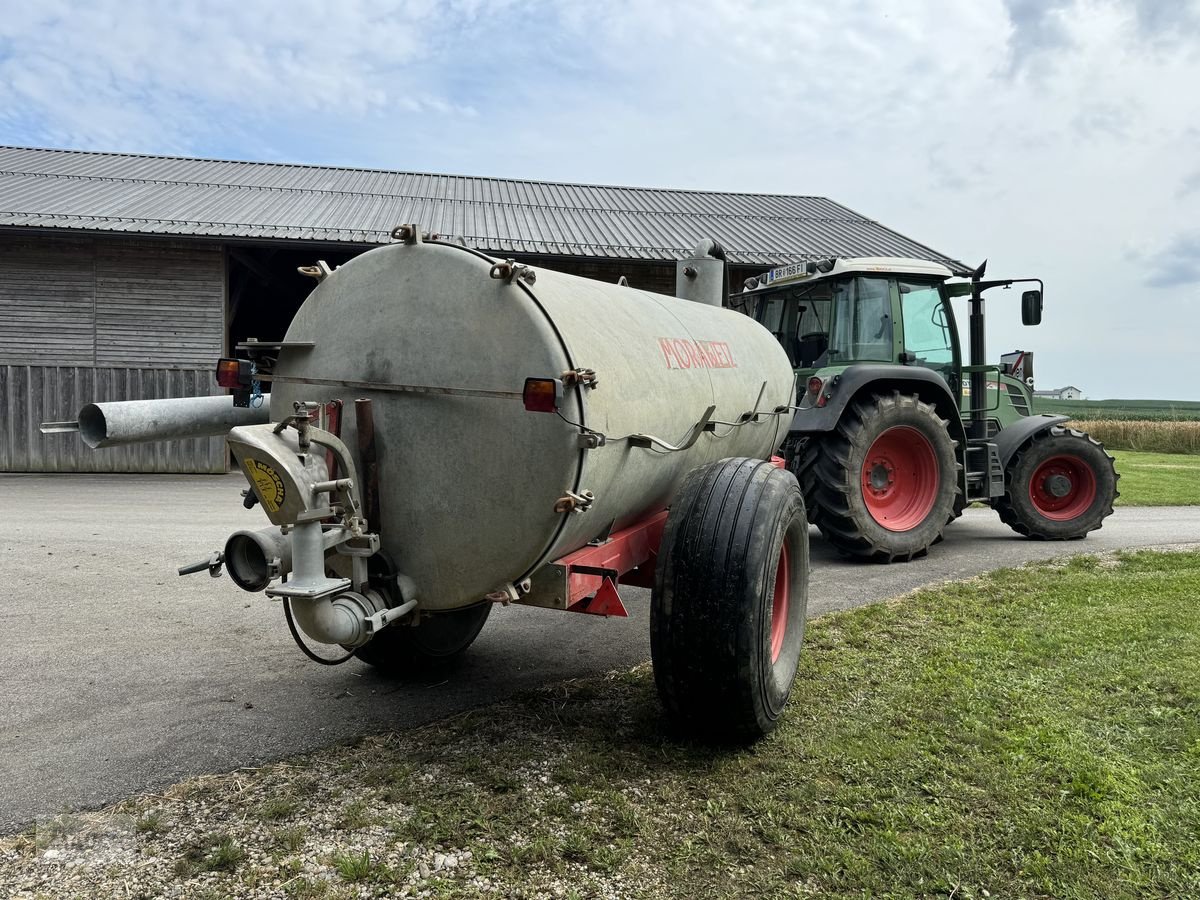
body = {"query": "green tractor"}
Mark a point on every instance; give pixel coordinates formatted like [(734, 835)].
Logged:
[(893, 435)]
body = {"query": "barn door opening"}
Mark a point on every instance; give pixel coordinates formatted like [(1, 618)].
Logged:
[(265, 289)]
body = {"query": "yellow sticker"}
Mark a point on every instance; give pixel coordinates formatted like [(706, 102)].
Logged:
[(267, 482)]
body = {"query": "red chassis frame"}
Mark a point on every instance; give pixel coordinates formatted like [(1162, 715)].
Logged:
[(627, 557)]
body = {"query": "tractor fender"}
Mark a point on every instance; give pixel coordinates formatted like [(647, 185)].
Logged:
[(1013, 437), (882, 378)]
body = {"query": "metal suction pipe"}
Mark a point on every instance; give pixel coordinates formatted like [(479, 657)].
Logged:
[(138, 421), (341, 620), (337, 620)]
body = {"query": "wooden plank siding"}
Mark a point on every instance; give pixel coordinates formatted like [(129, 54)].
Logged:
[(47, 300), (162, 306), (85, 319), (30, 395)]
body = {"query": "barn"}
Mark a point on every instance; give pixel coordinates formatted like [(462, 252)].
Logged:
[(125, 276)]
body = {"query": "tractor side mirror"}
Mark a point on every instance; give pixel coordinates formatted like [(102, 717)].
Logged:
[(1031, 308)]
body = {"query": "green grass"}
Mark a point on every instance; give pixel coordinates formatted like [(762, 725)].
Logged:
[(1158, 479), (1083, 410), (360, 867), (278, 808), (1031, 733), (1034, 733), (217, 852)]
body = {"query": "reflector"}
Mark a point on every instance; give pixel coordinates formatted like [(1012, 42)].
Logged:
[(542, 394)]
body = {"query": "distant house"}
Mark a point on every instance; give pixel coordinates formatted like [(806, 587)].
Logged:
[(1070, 392)]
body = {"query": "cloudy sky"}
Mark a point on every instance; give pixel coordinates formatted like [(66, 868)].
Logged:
[(1058, 138)]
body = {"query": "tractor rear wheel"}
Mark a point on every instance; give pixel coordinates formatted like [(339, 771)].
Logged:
[(730, 598), (438, 641), (1060, 486), (883, 484)]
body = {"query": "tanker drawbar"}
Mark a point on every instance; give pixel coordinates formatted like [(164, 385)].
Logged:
[(518, 435)]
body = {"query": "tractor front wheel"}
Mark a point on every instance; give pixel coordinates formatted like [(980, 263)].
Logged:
[(730, 598), (883, 484), (1060, 486)]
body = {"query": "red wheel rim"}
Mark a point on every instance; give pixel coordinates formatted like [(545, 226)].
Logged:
[(900, 478), (779, 604), (1062, 488)]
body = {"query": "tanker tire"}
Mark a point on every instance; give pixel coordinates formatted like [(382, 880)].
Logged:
[(437, 642), (724, 658), (831, 470), (1018, 508)]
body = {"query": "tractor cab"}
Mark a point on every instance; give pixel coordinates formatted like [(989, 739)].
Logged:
[(836, 313), (839, 312)]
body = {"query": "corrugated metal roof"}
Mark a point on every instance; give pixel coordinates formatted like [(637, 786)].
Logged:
[(73, 189)]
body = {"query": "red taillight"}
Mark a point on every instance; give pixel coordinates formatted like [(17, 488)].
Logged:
[(542, 394), (815, 387), (233, 373)]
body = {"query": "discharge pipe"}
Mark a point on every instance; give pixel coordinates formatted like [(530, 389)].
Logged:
[(134, 421)]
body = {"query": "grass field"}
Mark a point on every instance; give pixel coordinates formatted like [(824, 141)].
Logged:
[(1144, 410), (1033, 733), (1158, 479)]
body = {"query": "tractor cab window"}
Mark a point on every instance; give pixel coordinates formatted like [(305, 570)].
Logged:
[(799, 317), (770, 313), (810, 337), (927, 330), (863, 321)]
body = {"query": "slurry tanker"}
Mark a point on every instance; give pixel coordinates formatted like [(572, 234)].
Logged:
[(445, 431)]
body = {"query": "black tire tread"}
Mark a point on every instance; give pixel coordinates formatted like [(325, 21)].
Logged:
[(719, 512), (1029, 526), (824, 471)]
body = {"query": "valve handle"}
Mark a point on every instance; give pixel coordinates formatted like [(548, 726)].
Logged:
[(213, 564)]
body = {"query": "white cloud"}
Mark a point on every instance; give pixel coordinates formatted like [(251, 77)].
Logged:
[(1051, 136)]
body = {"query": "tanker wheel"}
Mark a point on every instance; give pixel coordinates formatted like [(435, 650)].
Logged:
[(729, 601), (884, 483), (438, 641), (1060, 486)]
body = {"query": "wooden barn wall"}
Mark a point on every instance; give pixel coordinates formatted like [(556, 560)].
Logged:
[(30, 395), (85, 319), (47, 301)]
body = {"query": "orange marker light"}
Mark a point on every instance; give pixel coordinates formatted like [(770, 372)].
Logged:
[(542, 394), (233, 373)]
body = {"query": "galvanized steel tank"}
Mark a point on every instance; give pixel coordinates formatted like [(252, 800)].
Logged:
[(469, 481)]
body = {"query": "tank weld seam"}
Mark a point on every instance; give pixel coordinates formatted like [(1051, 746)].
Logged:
[(394, 388)]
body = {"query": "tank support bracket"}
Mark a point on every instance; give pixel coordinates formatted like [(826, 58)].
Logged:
[(586, 581)]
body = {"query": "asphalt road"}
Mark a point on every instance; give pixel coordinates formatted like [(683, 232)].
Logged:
[(117, 676)]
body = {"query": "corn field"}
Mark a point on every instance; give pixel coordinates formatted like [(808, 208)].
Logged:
[(1146, 436)]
